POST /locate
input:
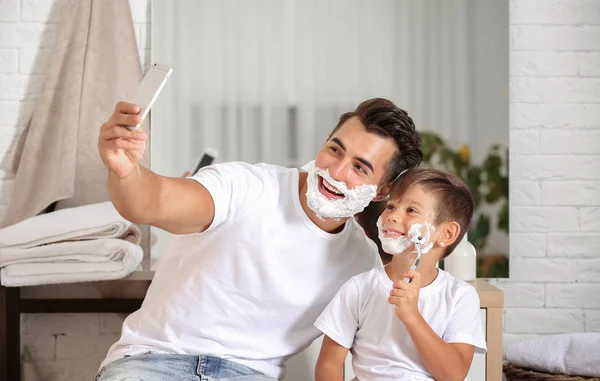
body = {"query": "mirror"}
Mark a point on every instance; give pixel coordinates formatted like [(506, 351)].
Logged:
[(266, 81)]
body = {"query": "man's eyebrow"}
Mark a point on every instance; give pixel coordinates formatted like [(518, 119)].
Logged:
[(339, 143), (365, 162)]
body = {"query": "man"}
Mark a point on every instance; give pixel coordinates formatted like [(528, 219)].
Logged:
[(276, 244)]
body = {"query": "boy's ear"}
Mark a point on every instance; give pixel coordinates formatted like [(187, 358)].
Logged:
[(383, 192), (450, 233)]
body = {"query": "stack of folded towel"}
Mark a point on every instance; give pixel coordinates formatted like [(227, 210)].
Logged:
[(85, 243), (574, 354)]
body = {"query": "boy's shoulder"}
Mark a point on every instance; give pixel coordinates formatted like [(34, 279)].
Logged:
[(455, 288)]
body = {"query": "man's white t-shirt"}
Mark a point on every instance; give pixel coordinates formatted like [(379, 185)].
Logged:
[(250, 287), (360, 318)]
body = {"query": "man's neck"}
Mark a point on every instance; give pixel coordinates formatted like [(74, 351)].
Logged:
[(329, 225)]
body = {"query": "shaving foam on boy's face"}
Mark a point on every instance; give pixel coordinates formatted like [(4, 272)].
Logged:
[(397, 242), (347, 203)]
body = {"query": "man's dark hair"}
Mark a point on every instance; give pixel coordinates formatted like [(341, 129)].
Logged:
[(381, 117), (454, 201)]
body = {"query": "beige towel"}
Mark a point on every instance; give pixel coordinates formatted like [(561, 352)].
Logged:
[(93, 65)]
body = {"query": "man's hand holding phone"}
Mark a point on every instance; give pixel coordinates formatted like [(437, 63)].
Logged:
[(120, 148)]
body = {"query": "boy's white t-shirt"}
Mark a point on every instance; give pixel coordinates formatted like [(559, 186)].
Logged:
[(360, 318), (250, 287)]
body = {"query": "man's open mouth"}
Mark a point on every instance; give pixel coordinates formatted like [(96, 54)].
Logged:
[(329, 190)]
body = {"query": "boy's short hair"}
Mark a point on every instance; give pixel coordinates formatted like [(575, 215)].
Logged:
[(454, 201)]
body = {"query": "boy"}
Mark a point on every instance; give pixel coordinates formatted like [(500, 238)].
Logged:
[(427, 328)]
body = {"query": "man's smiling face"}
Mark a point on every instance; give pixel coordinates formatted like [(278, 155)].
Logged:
[(354, 156)]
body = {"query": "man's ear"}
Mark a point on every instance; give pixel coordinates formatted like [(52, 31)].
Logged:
[(450, 232), (383, 191)]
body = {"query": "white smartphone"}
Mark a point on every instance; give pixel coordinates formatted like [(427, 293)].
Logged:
[(148, 90), (208, 157)]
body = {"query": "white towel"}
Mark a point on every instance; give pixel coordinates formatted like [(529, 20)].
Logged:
[(85, 243), (574, 354)]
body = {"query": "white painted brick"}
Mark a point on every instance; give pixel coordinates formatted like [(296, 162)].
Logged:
[(571, 193), (9, 10), (18, 86), (592, 320), (522, 294), (569, 38), (26, 35), (527, 244), (543, 219), (526, 115), (555, 167), (543, 270), (524, 193), (543, 320), (524, 142), (591, 10), (589, 64), (573, 245), (526, 90), (508, 338), (140, 11), (61, 324), (590, 219), (69, 370), (588, 167), (592, 115), (72, 347), (544, 64), (588, 270), (576, 295), (546, 12), (9, 113), (570, 141), (42, 10), (41, 347), (34, 61), (570, 90), (7, 135), (111, 323), (8, 60)]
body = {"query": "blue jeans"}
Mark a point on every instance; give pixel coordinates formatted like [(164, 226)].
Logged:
[(160, 367)]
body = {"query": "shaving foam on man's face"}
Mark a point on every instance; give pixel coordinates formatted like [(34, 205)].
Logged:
[(341, 202), (394, 241)]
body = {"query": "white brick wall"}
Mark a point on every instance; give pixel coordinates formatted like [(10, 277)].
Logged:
[(555, 171), (64, 347), (554, 284)]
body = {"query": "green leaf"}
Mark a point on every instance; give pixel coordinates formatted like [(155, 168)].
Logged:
[(503, 218)]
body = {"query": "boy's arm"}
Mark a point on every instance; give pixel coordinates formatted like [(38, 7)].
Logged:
[(445, 362), (331, 361)]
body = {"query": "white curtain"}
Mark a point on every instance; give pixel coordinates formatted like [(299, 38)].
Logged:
[(266, 80)]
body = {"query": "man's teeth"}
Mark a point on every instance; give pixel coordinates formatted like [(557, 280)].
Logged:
[(331, 188)]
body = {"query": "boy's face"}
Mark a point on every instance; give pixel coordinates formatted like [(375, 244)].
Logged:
[(414, 208), (354, 156)]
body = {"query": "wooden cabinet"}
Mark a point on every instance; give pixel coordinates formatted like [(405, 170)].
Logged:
[(487, 367)]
